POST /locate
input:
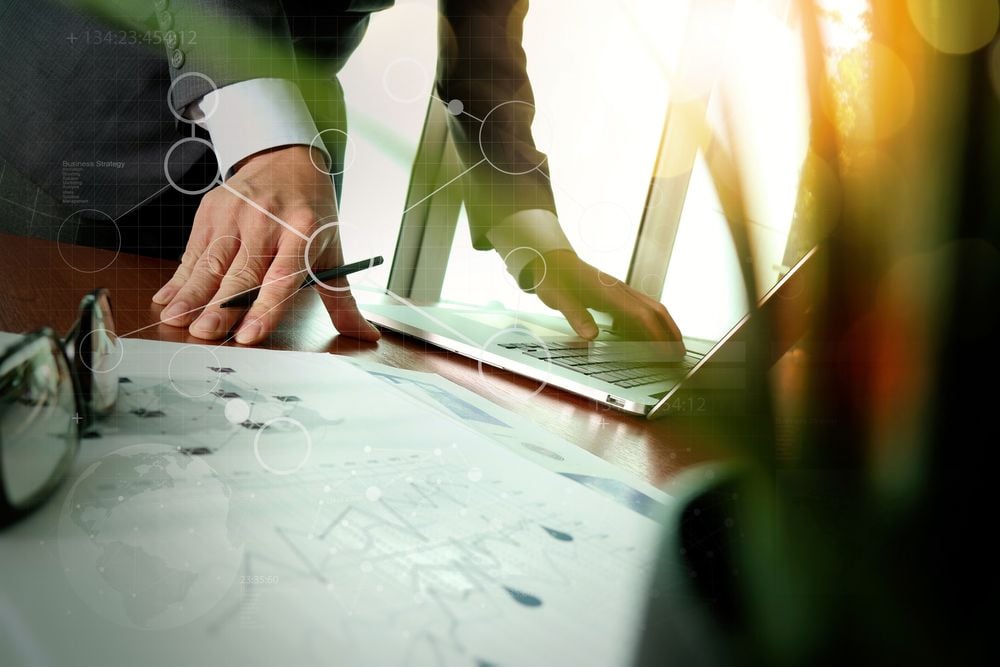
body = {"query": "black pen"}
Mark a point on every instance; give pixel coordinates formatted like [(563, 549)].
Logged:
[(244, 300)]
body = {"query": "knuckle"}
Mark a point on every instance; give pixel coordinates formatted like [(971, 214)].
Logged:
[(247, 189), (240, 282), (226, 202), (212, 202), (252, 217), (282, 272), (255, 268), (265, 201), (340, 297), (195, 286), (188, 259), (266, 308), (649, 320), (216, 266), (303, 219), (213, 197)]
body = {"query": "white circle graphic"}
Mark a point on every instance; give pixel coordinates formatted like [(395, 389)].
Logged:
[(237, 411), (405, 80), (173, 85), (60, 242), (532, 251), (350, 152), (308, 262), (115, 357), (282, 471), (485, 136), (170, 179), (174, 375)]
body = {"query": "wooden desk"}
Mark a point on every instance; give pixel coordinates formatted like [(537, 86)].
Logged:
[(44, 281)]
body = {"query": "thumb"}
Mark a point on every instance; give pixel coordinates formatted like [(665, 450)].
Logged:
[(344, 313)]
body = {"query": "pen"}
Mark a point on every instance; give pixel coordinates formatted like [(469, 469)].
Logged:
[(247, 298)]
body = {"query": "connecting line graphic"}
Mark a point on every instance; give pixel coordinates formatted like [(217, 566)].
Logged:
[(33, 210), (223, 299), (423, 199), (263, 210), (155, 194), (293, 293), (463, 111)]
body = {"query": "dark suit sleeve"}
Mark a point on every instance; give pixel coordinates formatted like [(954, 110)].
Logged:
[(482, 65), (224, 40)]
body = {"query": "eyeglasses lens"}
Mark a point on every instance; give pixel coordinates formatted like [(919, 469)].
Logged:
[(105, 355), (38, 419)]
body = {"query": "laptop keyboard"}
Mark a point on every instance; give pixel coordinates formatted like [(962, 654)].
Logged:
[(602, 362)]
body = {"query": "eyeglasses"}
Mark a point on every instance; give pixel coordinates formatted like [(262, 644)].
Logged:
[(52, 391)]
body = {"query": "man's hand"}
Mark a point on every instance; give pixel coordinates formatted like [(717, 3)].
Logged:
[(566, 283), (234, 246)]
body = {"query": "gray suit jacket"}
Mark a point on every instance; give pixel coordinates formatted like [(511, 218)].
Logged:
[(84, 97)]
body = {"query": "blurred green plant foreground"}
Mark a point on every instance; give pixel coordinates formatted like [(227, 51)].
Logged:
[(861, 534)]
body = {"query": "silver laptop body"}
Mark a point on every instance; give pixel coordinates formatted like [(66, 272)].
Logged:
[(626, 375)]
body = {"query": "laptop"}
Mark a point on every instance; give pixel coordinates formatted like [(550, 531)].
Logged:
[(626, 375), (640, 378)]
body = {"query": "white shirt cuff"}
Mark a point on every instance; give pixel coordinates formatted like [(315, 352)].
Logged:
[(524, 236), (251, 116)]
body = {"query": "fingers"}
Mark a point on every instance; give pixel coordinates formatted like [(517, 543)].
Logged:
[(575, 312), (637, 316), (560, 289), (670, 324), (283, 278), (199, 273), (656, 322), (638, 319), (172, 286), (582, 322), (667, 322), (344, 312), (201, 284), (215, 322), (199, 241), (339, 302), (572, 286), (192, 253)]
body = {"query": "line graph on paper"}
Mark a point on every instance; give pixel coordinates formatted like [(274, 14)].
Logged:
[(418, 563), (265, 516)]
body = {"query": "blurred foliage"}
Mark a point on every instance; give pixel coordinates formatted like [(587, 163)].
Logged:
[(867, 540)]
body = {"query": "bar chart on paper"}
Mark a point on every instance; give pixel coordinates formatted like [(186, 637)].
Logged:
[(260, 507)]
